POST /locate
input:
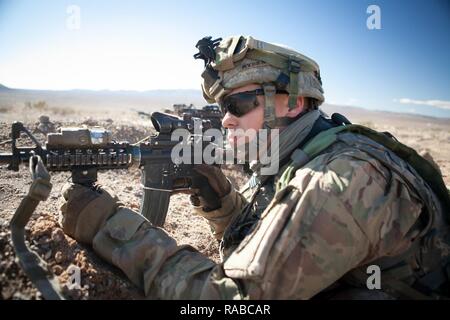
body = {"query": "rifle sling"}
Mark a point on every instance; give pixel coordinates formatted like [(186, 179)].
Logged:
[(33, 265)]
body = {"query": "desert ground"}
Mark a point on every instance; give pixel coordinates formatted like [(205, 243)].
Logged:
[(99, 280)]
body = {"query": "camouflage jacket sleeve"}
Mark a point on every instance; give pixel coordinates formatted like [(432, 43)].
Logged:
[(154, 262), (335, 215)]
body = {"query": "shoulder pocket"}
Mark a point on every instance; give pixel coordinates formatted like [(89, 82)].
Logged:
[(249, 260)]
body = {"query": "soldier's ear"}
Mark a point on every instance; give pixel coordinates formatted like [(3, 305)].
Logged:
[(298, 108)]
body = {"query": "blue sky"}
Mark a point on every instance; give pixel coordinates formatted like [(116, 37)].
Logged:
[(144, 45)]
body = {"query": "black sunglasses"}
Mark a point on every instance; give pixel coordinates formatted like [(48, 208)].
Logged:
[(239, 104)]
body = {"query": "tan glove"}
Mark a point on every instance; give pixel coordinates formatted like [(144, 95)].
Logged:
[(216, 187), (86, 210)]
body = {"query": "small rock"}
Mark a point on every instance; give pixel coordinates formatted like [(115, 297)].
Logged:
[(48, 254), (128, 188), (133, 206), (57, 269), (59, 257), (19, 296), (7, 293), (57, 235)]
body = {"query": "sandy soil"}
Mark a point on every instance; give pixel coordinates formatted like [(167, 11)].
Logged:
[(99, 280)]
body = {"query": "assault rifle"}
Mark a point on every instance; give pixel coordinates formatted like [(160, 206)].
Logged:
[(86, 151)]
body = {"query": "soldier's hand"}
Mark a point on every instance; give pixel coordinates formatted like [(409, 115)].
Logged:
[(86, 210), (216, 187)]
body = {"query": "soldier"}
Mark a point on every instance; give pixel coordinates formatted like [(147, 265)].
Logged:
[(341, 201), (45, 126)]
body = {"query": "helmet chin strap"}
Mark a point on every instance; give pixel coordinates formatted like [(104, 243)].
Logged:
[(270, 119)]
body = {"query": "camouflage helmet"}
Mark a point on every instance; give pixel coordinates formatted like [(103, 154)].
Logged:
[(240, 60)]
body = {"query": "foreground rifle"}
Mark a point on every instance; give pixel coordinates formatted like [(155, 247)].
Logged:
[(86, 151)]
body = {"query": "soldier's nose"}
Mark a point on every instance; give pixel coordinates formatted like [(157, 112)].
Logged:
[(229, 121)]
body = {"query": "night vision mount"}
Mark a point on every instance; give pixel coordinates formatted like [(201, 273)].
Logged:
[(206, 50)]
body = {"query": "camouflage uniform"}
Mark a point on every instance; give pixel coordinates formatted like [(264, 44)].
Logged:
[(353, 204)]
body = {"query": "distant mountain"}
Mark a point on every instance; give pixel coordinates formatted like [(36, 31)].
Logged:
[(109, 99), (153, 100), (4, 88), (383, 117)]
